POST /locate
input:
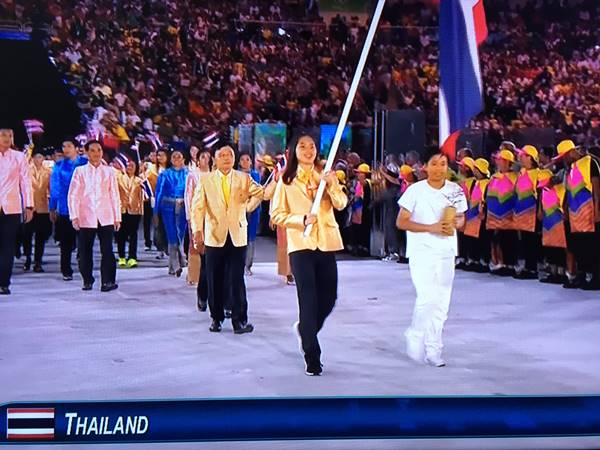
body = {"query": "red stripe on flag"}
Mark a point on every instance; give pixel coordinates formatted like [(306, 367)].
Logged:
[(481, 30), (30, 436), (30, 410), (449, 146)]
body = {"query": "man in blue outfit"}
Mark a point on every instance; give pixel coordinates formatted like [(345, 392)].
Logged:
[(60, 181)]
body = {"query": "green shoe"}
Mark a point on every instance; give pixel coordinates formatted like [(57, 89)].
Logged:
[(122, 262), (131, 263)]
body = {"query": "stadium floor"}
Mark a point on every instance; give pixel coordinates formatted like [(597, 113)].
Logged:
[(147, 340)]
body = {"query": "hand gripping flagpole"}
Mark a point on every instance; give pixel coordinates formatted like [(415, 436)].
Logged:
[(347, 106)]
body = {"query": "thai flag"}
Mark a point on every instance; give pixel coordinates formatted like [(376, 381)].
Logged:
[(121, 161), (462, 29), (211, 139), (30, 423), (148, 194), (33, 126), (281, 163)]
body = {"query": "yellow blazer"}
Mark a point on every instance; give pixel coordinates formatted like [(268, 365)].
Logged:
[(214, 218), (291, 202)]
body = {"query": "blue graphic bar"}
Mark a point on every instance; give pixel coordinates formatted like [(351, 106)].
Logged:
[(300, 418)]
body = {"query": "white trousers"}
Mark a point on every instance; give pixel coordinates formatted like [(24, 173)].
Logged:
[(432, 276)]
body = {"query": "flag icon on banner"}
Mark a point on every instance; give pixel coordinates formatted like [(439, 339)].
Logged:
[(30, 423)]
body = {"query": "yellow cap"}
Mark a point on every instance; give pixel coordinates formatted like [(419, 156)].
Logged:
[(506, 155), (341, 176), (483, 166), (267, 160), (405, 170), (565, 147), (363, 168), (467, 161), (543, 177), (530, 150)]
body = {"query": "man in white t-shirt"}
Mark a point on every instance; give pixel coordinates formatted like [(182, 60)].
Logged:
[(431, 249)]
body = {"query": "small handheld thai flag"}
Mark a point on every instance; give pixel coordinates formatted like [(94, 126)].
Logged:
[(462, 29), (121, 161), (211, 139), (33, 126), (148, 194), (281, 163), (30, 423)]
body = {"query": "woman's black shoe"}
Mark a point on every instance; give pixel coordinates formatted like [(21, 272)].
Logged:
[(87, 287), (109, 287), (4, 291), (38, 269), (215, 326), (201, 305), (243, 328)]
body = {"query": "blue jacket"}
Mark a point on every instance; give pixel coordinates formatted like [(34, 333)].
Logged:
[(171, 184), (254, 216), (60, 180)]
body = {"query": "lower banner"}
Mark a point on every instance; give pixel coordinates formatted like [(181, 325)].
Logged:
[(299, 418)]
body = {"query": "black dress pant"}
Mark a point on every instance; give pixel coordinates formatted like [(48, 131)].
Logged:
[(586, 248), (202, 288), (41, 227), (67, 237), (316, 283), (128, 233), (225, 274), (148, 213), (108, 264), (531, 244), (9, 225)]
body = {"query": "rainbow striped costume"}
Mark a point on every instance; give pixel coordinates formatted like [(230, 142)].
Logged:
[(580, 196), (553, 224), (501, 199), (476, 201), (526, 200)]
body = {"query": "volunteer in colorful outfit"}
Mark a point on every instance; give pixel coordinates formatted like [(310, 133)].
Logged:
[(525, 213), (362, 216), (475, 230), (582, 184), (170, 205), (40, 225), (426, 214), (466, 182), (16, 198), (131, 194), (552, 194), (500, 202), (60, 181), (313, 257)]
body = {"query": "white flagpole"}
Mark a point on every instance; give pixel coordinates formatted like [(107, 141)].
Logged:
[(347, 106)]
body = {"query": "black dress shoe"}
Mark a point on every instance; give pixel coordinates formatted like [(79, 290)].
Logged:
[(592, 285), (215, 326), (4, 291), (107, 287), (243, 328), (201, 305), (228, 314), (178, 272), (87, 287), (525, 275), (38, 268), (67, 277), (575, 283)]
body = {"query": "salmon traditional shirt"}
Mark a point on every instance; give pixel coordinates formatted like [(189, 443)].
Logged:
[(94, 196), (194, 177), (15, 183)]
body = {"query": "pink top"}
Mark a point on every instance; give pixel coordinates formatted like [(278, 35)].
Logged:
[(15, 183), (191, 183), (94, 196)]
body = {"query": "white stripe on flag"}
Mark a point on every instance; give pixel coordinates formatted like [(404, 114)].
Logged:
[(444, 118), (19, 431), (467, 9), (30, 415)]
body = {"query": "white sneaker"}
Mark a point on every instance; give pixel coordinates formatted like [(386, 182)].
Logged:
[(435, 361)]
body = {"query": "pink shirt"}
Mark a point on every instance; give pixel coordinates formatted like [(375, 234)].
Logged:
[(15, 183), (94, 196), (194, 175)]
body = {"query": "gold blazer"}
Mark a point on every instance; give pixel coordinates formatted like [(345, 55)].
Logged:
[(214, 218), (292, 202), (131, 194)]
